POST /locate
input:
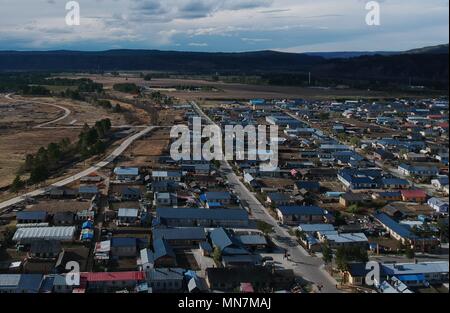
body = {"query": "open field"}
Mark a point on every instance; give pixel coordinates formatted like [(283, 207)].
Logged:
[(26, 125), (82, 112), (236, 91), (146, 152), (25, 114), (14, 146)]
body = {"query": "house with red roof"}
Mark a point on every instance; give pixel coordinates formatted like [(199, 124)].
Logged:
[(112, 280), (417, 195)]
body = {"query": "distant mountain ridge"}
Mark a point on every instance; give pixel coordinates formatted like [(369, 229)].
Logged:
[(439, 49), (154, 60), (427, 66)]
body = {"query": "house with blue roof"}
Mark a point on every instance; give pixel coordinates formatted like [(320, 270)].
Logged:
[(21, 283), (226, 242), (181, 237), (260, 104), (423, 171), (126, 173), (314, 228), (253, 241), (284, 121), (354, 179), (439, 205), (196, 217), (278, 198), (418, 274), (88, 191), (350, 158), (295, 215), (394, 183), (165, 279), (221, 197), (311, 186), (403, 234), (128, 193), (31, 217), (124, 247), (163, 254), (127, 216), (388, 196)]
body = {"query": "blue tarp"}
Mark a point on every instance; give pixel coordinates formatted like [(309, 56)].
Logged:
[(409, 278), (190, 274), (87, 236), (88, 224)]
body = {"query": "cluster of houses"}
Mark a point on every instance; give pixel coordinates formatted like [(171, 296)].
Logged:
[(178, 226)]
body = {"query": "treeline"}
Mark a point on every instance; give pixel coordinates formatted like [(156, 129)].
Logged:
[(21, 82), (34, 84), (127, 88), (83, 86), (40, 166)]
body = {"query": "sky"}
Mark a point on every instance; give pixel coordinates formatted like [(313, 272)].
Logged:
[(223, 25)]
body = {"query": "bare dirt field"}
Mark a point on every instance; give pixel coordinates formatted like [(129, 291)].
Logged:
[(14, 146), (28, 112), (25, 114), (133, 114), (146, 152), (23, 128), (82, 112), (54, 206)]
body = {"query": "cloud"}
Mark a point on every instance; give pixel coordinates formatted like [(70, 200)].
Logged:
[(198, 44), (191, 9), (223, 25)]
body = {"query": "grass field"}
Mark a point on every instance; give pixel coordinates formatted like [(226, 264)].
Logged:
[(238, 91)]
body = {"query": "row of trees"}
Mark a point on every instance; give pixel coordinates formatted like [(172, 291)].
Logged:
[(91, 141), (127, 88), (83, 86)]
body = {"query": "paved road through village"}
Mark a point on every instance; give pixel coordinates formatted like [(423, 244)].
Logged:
[(308, 267), (117, 152)]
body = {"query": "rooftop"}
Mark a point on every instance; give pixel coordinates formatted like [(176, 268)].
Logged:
[(126, 171), (302, 210), (195, 213)]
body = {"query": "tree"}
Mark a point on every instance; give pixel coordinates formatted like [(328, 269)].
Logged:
[(17, 184), (300, 234), (324, 116), (54, 153), (354, 209), (217, 255), (39, 173), (342, 259), (409, 252), (327, 254), (339, 219), (8, 235), (345, 255), (355, 141), (443, 230), (264, 227)]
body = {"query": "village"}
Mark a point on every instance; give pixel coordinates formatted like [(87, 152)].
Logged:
[(357, 181)]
